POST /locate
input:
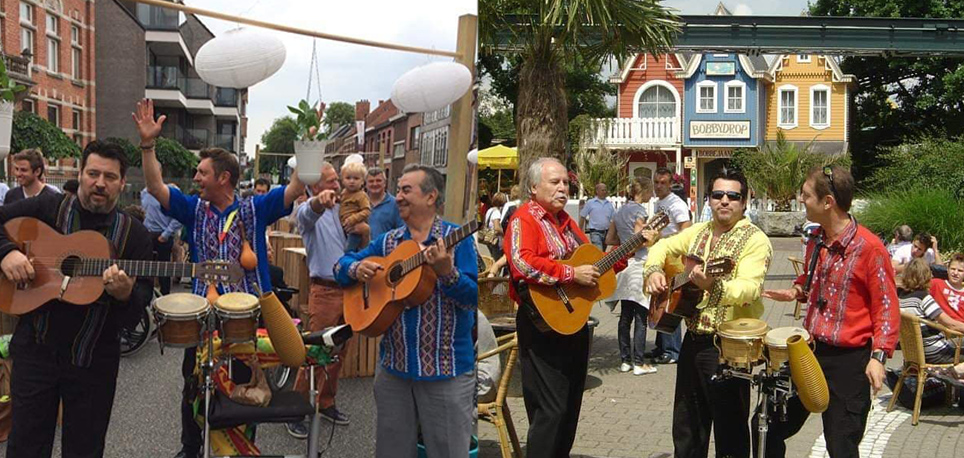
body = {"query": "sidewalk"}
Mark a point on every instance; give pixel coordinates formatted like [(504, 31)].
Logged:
[(631, 416)]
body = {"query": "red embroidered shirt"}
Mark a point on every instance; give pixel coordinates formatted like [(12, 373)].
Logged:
[(950, 299), (855, 278), (535, 241)]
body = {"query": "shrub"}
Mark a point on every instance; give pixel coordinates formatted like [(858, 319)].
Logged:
[(176, 160), (32, 131), (927, 162), (928, 209)]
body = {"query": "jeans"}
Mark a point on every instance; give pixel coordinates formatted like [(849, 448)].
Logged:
[(162, 252), (598, 238), (669, 344), (632, 312)]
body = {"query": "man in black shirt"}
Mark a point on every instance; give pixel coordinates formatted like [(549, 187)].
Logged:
[(28, 167), (70, 353)]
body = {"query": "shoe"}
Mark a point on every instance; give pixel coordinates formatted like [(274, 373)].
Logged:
[(186, 454), (651, 354), (643, 369), (625, 367), (333, 415), (298, 429), (665, 359)]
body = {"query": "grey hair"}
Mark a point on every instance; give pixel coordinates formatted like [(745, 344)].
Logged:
[(535, 170), (375, 171), (433, 181), (905, 233), (326, 164)]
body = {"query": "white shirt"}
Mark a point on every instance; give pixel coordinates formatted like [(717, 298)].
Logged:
[(902, 255), (678, 213)]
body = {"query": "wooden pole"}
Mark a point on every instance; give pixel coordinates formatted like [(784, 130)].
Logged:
[(460, 130), (295, 30), (257, 161)]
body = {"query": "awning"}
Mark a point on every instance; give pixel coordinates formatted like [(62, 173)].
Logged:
[(498, 157)]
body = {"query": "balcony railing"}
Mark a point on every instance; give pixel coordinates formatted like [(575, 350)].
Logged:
[(196, 88), (634, 132), (17, 66), (195, 138), (226, 97), (159, 77), (155, 18), (225, 141)]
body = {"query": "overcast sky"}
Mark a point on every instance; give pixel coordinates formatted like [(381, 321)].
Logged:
[(348, 72)]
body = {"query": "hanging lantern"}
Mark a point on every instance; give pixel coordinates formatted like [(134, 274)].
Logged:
[(354, 158), (292, 162), (309, 155), (473, 156), (239, 58), (431, 87), (6, 127)]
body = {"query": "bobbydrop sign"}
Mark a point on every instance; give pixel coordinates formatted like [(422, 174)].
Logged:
[(719, 129)]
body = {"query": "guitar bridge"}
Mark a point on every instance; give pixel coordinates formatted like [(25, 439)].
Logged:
[(564, 298)]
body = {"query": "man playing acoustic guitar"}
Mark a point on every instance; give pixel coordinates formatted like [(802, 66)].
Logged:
[(700, 404), (425, 376), (66, 352)]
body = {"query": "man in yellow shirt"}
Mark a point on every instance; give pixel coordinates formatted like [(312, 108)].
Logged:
[(700, 404)]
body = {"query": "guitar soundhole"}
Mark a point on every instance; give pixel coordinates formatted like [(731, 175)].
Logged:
[(395, 274), (70, 266)]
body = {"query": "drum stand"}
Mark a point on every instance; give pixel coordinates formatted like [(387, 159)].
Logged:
[(775, 389)]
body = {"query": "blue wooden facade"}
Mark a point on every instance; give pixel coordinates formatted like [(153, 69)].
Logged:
[(725, 121)]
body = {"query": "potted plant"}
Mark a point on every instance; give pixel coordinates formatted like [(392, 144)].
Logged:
[(310, 149), (8, 89)]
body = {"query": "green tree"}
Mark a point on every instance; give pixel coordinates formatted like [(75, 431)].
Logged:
[(899, 97), (176, 160), (279, 138), (32, 131), (338, 114), (547, 34)]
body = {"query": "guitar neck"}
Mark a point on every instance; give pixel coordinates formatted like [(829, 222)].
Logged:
[(632, 244), (94, 267), (450, 240)]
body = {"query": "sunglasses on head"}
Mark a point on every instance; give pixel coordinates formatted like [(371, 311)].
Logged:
[(828, 172), (733, 195)]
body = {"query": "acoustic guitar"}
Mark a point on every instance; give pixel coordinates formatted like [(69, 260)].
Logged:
[(565, 308), (71, 267), (679, 301), (403, 281)]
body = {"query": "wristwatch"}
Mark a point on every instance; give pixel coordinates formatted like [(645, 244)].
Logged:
[(880, 355)]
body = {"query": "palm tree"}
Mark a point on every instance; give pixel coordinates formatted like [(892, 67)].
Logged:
[(546, 33)]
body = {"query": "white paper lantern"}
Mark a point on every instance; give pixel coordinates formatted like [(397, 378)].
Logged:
[(6, 127), (293, 162), (431, 87), (473, 156), (354, 158), (239, 58)]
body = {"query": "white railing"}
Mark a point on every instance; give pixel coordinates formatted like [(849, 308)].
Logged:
[(631, 132)]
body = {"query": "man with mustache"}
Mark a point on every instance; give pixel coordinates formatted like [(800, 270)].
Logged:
[(68, 353), (219, 223), (554, 365)]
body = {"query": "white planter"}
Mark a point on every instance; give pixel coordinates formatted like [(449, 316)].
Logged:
[(6, 127), (309, 156)]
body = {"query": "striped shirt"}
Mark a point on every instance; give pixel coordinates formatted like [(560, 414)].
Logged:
[(923, 305)]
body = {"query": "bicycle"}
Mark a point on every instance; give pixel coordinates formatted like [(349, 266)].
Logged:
[(134, 340)]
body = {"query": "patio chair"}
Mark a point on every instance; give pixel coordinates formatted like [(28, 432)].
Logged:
[(912, 344), (798, 269), (497, 411)]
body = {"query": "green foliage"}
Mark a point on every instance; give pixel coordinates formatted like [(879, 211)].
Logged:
[(924, 208), (779, 169), (600, 166), (176, 160), (133, 152), (338, 114), (279, 138), (925, 162), (500, 124), (308, 120), (8, 87), (32, 131)]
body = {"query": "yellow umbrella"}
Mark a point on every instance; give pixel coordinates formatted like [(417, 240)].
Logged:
[(499, 157)]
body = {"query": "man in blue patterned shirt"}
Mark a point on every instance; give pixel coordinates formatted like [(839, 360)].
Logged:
[(425, 376)]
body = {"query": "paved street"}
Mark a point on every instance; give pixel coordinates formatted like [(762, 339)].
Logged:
[(630, 416)]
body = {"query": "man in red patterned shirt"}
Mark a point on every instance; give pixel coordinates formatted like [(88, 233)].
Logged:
[(553, 365), (853, 313)]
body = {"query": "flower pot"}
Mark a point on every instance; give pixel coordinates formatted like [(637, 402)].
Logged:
[(309, 157), (6, 127)]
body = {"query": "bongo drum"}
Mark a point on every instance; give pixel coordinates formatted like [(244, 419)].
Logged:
[(180, 319), (776, 342), (741, 342), (238, 317)]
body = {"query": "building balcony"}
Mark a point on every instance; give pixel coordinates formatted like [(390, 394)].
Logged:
[(622, 133), (225, 141), (159, 77), (18, 68), (168, 87), (156, 18)]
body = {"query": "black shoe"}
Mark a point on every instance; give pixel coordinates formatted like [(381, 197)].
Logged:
[(651, 354), (298, 429), (186, 454), (333, 415), (665, 359)]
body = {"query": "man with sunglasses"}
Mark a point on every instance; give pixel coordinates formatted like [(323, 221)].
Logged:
[(853, 313), (700, 403)]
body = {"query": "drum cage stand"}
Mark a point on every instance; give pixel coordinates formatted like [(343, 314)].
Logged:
[(774, 388), (208, 367)]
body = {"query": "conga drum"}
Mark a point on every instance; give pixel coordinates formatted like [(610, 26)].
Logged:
[(741, 342), (776, 342), (180, 318), (238, 317)]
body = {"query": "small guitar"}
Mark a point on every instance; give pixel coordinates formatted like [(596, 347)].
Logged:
[(679, 301), (70, 267), (565, 308), (403, 281)]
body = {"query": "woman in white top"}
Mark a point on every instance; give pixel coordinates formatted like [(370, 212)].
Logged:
[(493, 221)]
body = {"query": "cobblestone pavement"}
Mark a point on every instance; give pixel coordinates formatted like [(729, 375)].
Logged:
[(630, 416)]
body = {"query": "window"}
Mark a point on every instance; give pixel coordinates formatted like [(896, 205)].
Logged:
[(79, 140), (28, 106), (75, 35), (434, 147), (26, 40), (803, 58), (53, 114), (26, 13), (415, 136), (706, 97), (75, 61), (787, 105), (735, 97), (76, 119), (53, 25), (656, 102), (53, 55), (820, 106)]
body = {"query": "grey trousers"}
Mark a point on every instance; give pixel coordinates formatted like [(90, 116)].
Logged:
[(444, 409)]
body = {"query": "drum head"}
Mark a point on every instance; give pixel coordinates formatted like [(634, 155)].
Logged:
[(181, 304), (236, 302), (778, 337), (743, 327)]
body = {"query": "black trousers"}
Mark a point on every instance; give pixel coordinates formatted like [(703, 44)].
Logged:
[(701, 404), (192, 438), (846, 415), (162, 252), (44, 377), (553, 379)]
